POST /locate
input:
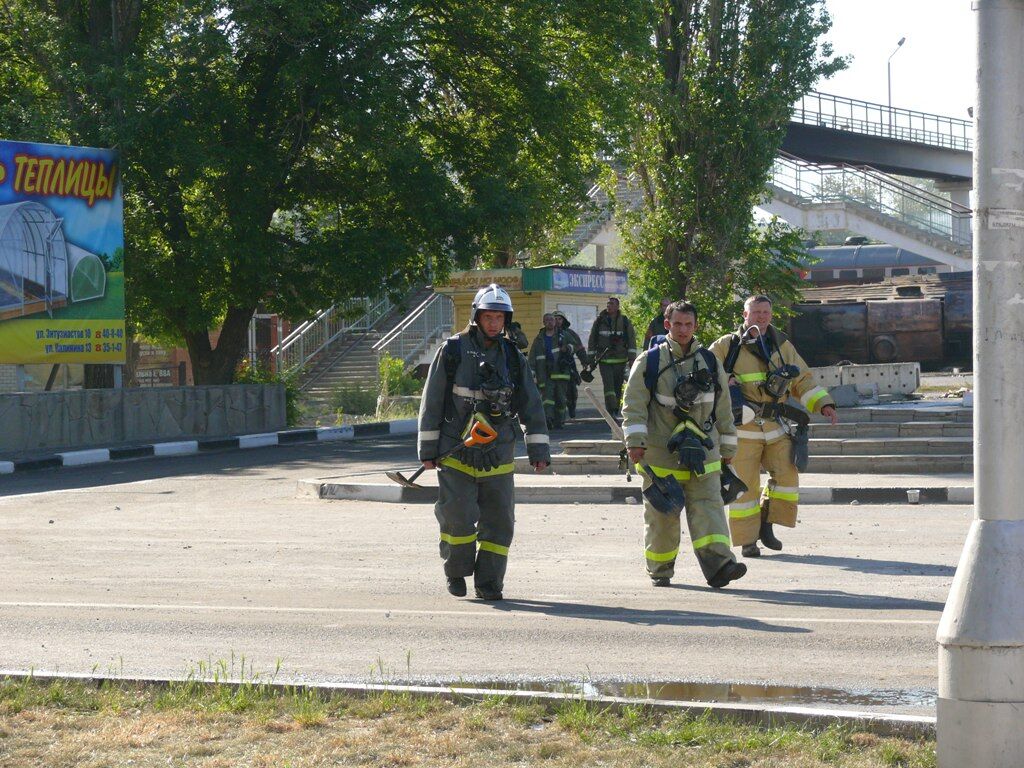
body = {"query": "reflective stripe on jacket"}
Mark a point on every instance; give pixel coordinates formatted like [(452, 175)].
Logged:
[(648, 420), (752, 370)]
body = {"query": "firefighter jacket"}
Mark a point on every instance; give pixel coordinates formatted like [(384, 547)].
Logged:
[(559, 363), (447, 407), (753, 368), (649, 418), (614, 334)]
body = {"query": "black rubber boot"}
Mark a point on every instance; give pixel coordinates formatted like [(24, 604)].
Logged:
[(767, 537), (728, 572), (457, 586), (751, 550), (487, 592), (661, 581)]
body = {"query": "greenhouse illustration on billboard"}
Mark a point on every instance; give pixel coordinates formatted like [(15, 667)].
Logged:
[(61, 255), (39, 269)]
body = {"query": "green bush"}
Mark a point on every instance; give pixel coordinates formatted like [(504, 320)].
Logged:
[(354, 400), (395, 380), (257, 374)]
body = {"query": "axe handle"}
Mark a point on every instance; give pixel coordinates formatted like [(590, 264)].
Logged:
[(616, 429), (617, 432)]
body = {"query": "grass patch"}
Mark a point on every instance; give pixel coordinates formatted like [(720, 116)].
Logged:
[(254, 723)]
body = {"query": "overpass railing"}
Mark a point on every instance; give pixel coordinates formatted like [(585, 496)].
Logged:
[(873, 189), (843, 114)]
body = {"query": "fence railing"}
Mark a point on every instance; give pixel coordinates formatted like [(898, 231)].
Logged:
[(421, 328), (840, 113), (311, 337), (885, 194)]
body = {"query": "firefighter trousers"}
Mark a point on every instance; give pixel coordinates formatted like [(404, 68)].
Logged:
[(556, 399), (778, 502), (613, 376), (705, 519), (477, 517)]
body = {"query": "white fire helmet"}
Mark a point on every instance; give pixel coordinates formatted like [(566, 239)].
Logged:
[(495, 298)]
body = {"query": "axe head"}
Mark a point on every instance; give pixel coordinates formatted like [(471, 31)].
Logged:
[(401, 479)]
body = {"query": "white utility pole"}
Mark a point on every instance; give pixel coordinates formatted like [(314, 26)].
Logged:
[(981, 635)]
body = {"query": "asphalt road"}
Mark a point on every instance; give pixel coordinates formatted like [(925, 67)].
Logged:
[(156, 567)]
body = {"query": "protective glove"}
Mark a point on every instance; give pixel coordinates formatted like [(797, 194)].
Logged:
[(587, 375), (691, 452), (801, 450), (732, 486), (489, 458)]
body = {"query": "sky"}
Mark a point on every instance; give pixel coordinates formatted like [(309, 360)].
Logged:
[(934, 70)]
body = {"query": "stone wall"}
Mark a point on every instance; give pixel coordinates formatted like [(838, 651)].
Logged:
[(87, 418)]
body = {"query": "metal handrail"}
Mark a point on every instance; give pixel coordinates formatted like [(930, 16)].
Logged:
[(840, 113), (873, 189), (311, 337), (410, 338)]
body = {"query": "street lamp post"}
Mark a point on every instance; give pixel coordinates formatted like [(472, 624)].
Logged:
[(888, 69), (981, 634)]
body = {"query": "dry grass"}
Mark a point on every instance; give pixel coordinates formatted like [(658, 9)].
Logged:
[(69, 724)]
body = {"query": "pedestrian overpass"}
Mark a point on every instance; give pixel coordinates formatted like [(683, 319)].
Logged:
[(837, 171), (834, 129)]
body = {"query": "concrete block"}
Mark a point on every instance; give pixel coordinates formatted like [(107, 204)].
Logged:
[(891, 378), (845, 396), (828, 376)]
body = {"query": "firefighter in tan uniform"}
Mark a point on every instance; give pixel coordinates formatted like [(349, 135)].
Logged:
[(765, 370), (678, 425)]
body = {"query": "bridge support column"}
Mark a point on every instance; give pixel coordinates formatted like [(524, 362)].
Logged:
[(981, 635), (959, 193)]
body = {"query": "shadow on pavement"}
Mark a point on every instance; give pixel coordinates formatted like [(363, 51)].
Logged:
[(867, 565), (641, 617), (833, 598)]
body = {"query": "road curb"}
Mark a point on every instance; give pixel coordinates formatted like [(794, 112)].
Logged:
[(93, 456), (766, 715), (392, 493)]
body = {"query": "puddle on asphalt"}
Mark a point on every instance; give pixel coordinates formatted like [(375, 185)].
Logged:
[(738, 693)]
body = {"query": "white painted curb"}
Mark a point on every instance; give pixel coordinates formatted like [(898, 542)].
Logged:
[(80, 458)]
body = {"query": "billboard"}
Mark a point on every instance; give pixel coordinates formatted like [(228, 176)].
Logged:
[(61, 255)]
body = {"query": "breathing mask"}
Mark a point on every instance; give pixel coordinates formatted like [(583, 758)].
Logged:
[(691, 386), (778, 381), (497, 392)]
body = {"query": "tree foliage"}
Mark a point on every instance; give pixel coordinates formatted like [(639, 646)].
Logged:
[(291, 154), (726, 74)]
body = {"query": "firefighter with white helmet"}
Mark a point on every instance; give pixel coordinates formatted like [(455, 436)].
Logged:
[(479, 383)]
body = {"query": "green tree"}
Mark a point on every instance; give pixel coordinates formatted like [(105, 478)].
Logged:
[(727, 73), (291, 154)]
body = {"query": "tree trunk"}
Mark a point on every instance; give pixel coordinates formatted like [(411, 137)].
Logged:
[(217, 365)]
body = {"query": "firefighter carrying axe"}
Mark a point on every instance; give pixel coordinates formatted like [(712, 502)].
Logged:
[(479, 434)]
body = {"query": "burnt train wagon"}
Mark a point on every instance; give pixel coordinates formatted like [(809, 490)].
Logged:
[(920, 318)]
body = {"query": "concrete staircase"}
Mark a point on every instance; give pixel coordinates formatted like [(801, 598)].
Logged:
[(354, 361), (599, 212), (822, 197), (869, 441)]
